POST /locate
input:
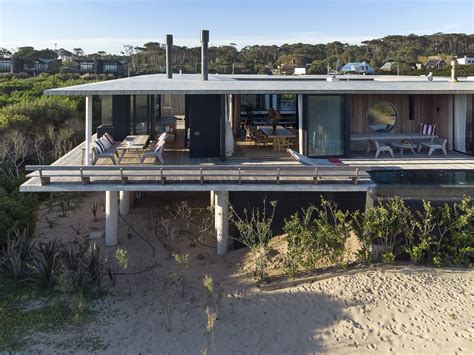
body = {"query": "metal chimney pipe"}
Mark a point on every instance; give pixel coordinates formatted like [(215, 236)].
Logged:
[(454, 71), (169, 56), (204, 54)]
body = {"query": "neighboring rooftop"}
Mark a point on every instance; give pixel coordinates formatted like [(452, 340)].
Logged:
[(267, 84)]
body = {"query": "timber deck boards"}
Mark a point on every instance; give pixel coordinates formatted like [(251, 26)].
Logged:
[(258, 157)]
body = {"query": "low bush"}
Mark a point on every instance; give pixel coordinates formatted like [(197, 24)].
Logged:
[(255, 232), (17, 211), (441, 236), (318, 236)]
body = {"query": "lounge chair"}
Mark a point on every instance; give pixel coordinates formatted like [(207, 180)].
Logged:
[(434, 144), (312, 161), (381, 147), (105, 147), (156, 151)]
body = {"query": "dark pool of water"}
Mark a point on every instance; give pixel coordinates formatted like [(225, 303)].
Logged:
[(423, 177)]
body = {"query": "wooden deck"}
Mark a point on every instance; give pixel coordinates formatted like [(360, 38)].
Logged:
[(181, 173), (410, 161), (268, 163)]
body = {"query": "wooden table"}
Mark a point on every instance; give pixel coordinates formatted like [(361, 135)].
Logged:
[(132, 143), (279, 135), (403, 146)]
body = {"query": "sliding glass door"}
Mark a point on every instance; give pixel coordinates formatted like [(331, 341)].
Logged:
[(464, 124), (324, 116)]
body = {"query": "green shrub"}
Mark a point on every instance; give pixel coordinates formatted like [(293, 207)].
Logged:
[(255, 232), (17, 210), (454, 244), (318, 236), (418, 231), (40, 112), (381, 225)]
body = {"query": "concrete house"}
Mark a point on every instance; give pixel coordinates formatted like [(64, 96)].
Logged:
[(465, 60), (242, 137)]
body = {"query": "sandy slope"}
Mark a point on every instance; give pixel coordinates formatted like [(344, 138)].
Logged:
[(415, 310)]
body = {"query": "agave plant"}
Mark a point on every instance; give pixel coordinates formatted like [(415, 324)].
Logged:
[(16, 253), (93, 263), (45, 265), (73, 268)]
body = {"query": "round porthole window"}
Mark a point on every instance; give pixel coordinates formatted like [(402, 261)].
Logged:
[(382, 117)]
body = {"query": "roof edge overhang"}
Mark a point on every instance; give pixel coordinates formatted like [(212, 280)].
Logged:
[(434, 91)]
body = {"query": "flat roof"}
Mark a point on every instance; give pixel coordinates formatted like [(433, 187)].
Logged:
[(267, 84)]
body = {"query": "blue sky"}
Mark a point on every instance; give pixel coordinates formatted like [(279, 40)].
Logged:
[(109, 24)]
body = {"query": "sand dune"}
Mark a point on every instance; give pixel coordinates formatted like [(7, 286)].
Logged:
[(408, 311)]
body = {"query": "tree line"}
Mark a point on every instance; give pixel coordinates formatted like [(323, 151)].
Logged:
[(317, 58)]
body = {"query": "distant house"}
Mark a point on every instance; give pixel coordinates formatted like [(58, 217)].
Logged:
[(389, 66), (465, 61), (292, 67), (102, 66), (5, 65), (358, 68), (434, 62), (37, 66)]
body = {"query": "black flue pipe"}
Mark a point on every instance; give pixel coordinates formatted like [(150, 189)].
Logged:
[(204, 54), (169, 56)]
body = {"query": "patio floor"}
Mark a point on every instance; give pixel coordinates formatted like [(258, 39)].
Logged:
[(454, 161)]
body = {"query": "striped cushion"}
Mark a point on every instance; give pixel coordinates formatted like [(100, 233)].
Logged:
[(162, 136), (159, 145), (105, 142), (99, 146), (109, 138), (428, 129)]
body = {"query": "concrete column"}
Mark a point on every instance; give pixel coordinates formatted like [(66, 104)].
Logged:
[(88, 132), (111, 218), (300, 124), (369, 200), (213, 198), (125, 202), (222, 221)]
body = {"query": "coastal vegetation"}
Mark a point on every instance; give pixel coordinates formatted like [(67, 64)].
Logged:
[(252, 59)]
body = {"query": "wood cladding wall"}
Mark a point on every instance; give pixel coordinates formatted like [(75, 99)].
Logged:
[(432, 109)]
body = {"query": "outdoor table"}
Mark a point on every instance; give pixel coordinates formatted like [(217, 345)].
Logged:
[(133, 143), (402, 146), (279, 135)]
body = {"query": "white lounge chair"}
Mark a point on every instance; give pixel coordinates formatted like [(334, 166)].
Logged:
[(156, 150), (103, 148), (434, 144), (380, 147)]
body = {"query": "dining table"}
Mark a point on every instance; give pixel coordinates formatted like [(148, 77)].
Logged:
[(279, 135), (133, 143)]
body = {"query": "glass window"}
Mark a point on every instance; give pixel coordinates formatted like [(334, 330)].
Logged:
[(110, 67), (325, 125), (107, 110), (5, 65), (87, 66), (141, 114), (381, 117), (464, 123)]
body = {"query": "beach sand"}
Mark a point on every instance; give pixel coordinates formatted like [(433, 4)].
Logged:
[(412, 310)]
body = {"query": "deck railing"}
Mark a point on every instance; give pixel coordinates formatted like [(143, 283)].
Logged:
[(195, 174)]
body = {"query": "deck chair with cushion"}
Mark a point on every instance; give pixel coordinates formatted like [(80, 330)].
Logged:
[(156, 151), (105, 147), (427, 129), (434, 144), (381, 147)]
